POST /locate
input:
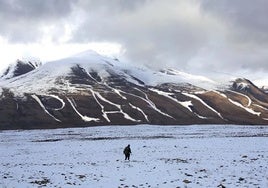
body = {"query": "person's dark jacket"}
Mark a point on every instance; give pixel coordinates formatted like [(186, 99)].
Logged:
[(127, 150)]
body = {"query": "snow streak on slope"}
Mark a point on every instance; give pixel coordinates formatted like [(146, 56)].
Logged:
[(43, 107), (126, 116), (259, 106), (249, 100), (245, 108), (167, 95), (140, 110), (84, 118), (125, 94), (104, 114), (153, 105), (186, 104), (197, 98), (240, 105), (59, 99), (118, 91)]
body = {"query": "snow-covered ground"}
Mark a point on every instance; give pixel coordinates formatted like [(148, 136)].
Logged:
[(163, 156)]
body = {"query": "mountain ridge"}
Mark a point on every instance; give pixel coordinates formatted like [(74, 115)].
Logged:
[(19, 68), (89, 89)]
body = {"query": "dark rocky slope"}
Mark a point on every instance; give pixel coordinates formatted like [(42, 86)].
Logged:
[(101, 93)]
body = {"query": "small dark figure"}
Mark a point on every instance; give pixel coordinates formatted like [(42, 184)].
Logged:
[(127, 152)]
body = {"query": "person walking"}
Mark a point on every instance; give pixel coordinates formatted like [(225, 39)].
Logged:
[(127, 152)]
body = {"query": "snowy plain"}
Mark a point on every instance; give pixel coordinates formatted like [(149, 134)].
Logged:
[(162, 156)]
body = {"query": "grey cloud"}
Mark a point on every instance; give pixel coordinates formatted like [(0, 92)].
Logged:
[(114, 6), (195, 35), (35, 9), (21, 20), (252, 15), (204, 36), (153, 32), (247, 41), (247, 19)]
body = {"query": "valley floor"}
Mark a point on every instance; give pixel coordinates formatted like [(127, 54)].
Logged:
[(162, 156)]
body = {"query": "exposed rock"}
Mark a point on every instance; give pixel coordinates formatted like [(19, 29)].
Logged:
[(91, 92)]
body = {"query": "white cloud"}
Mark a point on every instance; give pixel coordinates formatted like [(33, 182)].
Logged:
[(195, 35), (52, 51)]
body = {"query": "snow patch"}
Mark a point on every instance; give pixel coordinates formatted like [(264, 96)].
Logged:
[(259, 106), (59, 99), (240, 105), (242, 85), (153, 105), (43, 107), (139, 109), (249, 100), (117, 91), (185, 104), (205, 104), (245, 108), (84, 118), (219, 93), (262, 83), (104, 114), (126, 116)]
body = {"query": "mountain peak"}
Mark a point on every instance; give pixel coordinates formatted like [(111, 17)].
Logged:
[(90, 89), (20, 67), (86, 54)]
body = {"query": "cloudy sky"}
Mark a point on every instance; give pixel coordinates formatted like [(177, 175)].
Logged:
[(205, 37)]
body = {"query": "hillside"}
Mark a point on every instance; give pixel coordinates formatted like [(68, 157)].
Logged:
[(89, 89)]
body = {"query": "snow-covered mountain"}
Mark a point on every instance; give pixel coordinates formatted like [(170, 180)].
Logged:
[(89, 89), (20, 67), (262, 83)]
